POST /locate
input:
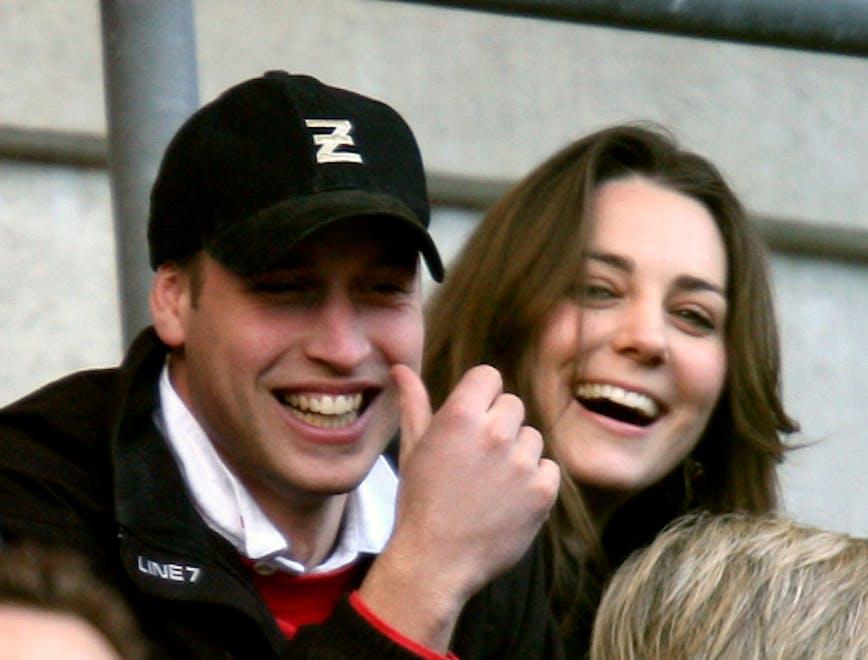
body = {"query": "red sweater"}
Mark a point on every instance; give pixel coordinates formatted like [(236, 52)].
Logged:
[(298, 600)]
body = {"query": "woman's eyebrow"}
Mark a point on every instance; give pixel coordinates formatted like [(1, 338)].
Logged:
[(683, 282), (617, 261), (692, 283)]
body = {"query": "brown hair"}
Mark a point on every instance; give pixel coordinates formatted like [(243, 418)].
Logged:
[(60, 581), (526, 255), (738, 586)]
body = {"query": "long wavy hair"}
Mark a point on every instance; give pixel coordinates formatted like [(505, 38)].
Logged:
[(524, 258)]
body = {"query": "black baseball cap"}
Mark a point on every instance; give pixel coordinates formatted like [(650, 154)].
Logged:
[(276, 158)]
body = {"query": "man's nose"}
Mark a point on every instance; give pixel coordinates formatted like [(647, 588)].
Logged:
[(642, 333), (337, 336)]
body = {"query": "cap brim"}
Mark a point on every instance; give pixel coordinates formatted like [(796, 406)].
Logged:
[(262, 241)]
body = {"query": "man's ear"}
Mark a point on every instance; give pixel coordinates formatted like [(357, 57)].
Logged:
[(170, 303)]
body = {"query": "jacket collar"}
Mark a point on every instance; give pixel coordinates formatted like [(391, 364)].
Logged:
[(166, 549)]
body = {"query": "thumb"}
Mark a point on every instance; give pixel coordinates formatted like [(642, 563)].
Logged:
[(414, 405)]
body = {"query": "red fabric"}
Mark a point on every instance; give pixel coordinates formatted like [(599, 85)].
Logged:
[(409, 644), (297, 600)]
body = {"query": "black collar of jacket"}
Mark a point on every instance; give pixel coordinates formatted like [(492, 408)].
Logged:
[(166, 548)]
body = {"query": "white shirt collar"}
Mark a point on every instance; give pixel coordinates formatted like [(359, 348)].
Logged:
[(230, 510)]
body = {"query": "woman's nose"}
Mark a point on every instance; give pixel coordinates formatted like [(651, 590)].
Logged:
[(642, 333)]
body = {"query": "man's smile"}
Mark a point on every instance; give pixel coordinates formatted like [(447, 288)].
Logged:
[(326, 411)]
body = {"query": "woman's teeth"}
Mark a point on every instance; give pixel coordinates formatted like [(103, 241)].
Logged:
[(639, 402), (325, 410)]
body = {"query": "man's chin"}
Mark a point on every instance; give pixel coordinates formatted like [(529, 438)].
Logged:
[(337, 481)]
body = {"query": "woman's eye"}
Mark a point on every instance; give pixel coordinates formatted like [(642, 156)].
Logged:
[(597, 292), (697, 319)]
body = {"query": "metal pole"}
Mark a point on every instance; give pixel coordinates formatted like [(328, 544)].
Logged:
[(834, 26), (151, 86)]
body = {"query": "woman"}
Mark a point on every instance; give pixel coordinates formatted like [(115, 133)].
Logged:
[(624, 296)]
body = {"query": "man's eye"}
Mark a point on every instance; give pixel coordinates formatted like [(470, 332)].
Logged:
[(386, 290), (389, 287)]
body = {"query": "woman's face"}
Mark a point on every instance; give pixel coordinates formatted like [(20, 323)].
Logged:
[(629, 370)]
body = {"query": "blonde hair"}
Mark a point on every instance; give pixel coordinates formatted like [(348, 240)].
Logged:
[(738, 586)]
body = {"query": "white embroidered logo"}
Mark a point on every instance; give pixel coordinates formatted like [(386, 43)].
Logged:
[(328, 143), (171, 572)]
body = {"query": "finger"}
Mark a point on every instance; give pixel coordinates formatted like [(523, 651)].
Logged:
[(550, 474), (414, 405), (530, 443), (505, 417), (477, 389)]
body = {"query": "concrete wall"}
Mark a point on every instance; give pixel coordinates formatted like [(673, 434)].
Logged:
[(489, 96)]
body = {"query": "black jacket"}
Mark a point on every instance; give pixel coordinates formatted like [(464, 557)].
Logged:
[(82, 465)]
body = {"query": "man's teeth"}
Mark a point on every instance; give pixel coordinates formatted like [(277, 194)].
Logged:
[(326, 404), (324, 410), (622, 397)]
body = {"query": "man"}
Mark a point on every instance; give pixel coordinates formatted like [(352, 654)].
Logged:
[(228, 475)]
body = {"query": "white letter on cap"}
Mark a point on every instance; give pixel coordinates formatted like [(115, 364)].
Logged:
[(329, 142)]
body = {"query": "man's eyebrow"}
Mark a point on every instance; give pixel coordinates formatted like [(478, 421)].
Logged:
[(286, 267), (683, 282), (397, 259)]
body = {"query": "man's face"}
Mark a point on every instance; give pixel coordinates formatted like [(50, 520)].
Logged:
[(288, 370)]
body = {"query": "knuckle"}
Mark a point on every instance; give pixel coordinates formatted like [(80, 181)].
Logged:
[(499, 436), (488, 372), (532, 445), (532, 435), (550, 479), (513, 403), (459, 409), (524, 466)]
